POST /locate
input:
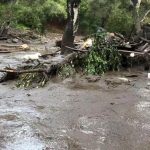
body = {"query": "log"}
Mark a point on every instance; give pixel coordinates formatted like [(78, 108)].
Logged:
[(3, 38), (5, 52), (22, 71)]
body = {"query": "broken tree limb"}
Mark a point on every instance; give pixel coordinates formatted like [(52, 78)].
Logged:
[(148, 41), (142, 48), (10, 46), (57, 65), (3, 38), (74, 49), (22, 71), (126, 51)]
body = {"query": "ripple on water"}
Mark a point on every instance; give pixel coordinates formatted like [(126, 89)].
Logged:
[(24, 140), (143, 107), (144, 92)]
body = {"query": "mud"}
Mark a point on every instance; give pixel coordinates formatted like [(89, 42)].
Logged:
[(111, 114)]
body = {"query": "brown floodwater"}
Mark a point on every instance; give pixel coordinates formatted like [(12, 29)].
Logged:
[(111, 114)]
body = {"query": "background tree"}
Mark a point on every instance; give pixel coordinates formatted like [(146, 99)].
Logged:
[(72, 24)]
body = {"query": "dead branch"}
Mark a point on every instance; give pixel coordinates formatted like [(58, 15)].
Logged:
[(142, 48), (148, 41), (3, 51), (126, 51), (10, 46), (22, 71)]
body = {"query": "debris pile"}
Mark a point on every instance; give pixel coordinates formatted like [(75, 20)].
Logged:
[(136, 49)]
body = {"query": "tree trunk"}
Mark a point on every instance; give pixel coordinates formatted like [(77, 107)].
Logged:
[(72, 25), (136, 5)]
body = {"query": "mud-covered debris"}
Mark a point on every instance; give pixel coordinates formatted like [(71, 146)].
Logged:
[(15, 40), (115, 81), (91, 78)]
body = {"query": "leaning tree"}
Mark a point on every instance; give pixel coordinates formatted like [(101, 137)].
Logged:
[(72, 25)]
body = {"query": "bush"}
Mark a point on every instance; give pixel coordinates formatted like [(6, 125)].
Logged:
[(113, 15), (102, 57), (34, 15)]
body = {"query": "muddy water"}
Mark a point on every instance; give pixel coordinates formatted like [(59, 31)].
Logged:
[(112, 114)]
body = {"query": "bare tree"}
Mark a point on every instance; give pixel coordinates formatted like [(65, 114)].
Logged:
[(72, 25)]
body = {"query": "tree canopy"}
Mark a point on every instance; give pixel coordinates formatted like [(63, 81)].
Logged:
[(114, 15)]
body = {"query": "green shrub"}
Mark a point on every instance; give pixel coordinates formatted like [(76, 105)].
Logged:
[(102, 57), (33, 14)]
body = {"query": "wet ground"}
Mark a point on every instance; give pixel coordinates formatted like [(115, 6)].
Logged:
[(111, 114)]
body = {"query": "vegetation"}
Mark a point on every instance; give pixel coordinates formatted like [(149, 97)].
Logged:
[(36, 79), (34, 15), (114, 15), (102, 57)]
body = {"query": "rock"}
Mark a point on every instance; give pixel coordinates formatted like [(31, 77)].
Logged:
[(28, 94), (15, 40)]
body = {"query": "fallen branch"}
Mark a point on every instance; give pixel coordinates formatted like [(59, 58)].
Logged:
[(148, 41), (74, 49), (139, 53), (5, 51), (3, 38), (22, 71), (10, 46), (142, 48)]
